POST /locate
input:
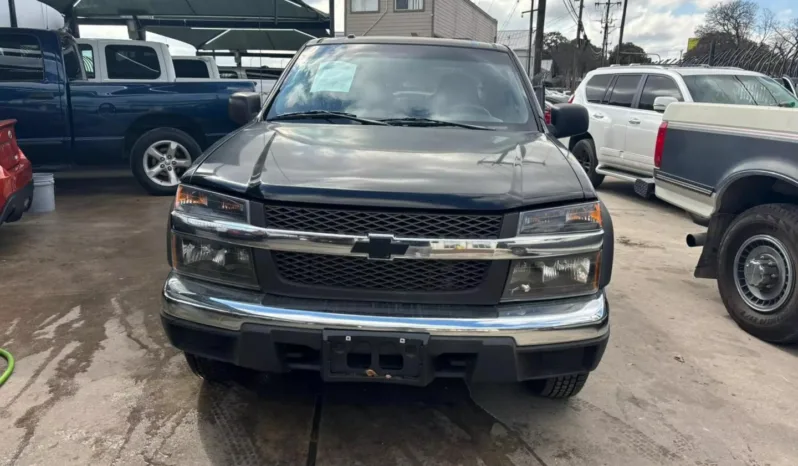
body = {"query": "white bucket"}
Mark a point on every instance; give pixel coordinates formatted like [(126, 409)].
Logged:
[(43, 193)]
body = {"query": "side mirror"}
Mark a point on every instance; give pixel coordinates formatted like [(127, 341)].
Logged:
[(568, 120), (661, 103), (243, 107)]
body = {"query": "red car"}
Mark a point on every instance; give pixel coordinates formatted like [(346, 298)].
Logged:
[(16, 176)]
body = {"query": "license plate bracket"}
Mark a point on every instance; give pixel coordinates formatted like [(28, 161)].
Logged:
[(375, 356)]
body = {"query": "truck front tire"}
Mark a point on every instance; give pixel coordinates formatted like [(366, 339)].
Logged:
[(564, 386), (757, 267), (159, 158), (211, 370), (585, 152)]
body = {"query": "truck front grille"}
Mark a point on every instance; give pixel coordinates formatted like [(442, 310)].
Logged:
[(361, 274), (399, 224)]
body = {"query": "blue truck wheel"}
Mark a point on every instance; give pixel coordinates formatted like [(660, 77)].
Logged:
[(160, 157)]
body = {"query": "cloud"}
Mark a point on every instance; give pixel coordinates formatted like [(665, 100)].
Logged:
[(705, 4), (655, 27)]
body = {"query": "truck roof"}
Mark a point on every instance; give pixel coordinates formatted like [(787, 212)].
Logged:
[(682, 70), (467, 43)]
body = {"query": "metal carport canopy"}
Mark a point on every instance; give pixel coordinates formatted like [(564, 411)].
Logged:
[(266, 38), (277, 14)]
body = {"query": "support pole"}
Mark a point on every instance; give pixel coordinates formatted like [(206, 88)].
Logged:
[(539, 36), (12, 11), (71, 22), (134, 31), (529, 44), (332, 18), (578, 52), (620, 38)]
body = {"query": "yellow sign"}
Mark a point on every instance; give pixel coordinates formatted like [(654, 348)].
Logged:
[(692, 43)]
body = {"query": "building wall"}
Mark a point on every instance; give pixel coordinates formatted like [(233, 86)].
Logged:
[(388, 22), (461, 19)]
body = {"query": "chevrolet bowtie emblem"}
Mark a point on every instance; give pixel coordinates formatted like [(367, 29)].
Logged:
[(381, 247)]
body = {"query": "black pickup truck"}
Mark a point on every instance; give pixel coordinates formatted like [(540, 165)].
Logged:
[(397, 211), (734, 169)]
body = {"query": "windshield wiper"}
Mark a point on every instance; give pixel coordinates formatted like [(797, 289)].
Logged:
[(787, 104), (411, 121), (324, 114)]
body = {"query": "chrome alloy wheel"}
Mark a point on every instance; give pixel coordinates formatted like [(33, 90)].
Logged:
[(763, 273), (165, 161)]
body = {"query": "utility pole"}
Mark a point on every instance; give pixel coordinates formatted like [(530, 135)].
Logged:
[(620, 38), (539, 36), (606, 26), (578, 53), (529, 44), (12, 11)]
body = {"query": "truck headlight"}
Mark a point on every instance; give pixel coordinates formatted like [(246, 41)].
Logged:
[(214, 261), (209, 259), (206, 204), (567, 219), (556, 277)]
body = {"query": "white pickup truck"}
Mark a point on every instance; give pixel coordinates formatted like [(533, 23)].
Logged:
[(140, 57), (193, 67)]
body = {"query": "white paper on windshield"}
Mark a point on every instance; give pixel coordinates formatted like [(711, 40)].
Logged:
[(335, 76)]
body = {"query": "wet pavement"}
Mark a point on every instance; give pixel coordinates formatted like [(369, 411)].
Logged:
[(97, 383)]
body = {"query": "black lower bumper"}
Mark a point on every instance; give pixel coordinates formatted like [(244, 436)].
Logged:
[(17, 204), (412, 358)]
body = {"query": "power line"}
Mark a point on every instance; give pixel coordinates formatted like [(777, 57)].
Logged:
[(558, 20), (571, 11), (567, 4), (507, 20), (606, 24)]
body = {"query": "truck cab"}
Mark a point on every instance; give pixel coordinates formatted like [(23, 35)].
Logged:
[(97, 101), (190, 67), (113, 60), (411, 217)]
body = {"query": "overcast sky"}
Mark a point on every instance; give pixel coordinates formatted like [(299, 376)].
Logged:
[(659, 26)]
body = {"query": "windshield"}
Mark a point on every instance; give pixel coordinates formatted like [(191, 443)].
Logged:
[(740, 90), (387, 81)]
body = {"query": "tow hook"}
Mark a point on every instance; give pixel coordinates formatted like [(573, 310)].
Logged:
[(696, 240)]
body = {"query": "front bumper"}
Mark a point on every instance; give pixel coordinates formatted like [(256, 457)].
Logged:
[(518, 342)]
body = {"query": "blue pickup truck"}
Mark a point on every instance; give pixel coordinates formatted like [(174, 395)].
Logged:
[(137, 113)]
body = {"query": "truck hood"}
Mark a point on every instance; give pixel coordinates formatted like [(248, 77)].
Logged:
[(388, 166)]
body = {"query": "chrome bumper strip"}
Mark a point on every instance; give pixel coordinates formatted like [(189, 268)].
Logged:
[(538, 323), (243, 234)]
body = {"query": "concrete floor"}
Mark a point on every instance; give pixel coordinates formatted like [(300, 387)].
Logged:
[(96, 382)]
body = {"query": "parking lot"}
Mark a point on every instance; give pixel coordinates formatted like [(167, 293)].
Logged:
[(96, 382)]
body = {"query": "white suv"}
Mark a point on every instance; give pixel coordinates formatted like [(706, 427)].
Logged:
[(625, 105)]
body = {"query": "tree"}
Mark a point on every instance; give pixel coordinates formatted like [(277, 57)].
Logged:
[(736, 19), (630, 53), (767, 26), (552, 40)]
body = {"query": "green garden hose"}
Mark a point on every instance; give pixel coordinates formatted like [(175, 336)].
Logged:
[(7, 356)]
